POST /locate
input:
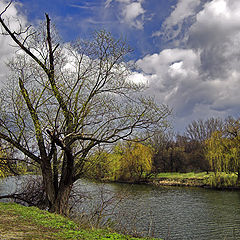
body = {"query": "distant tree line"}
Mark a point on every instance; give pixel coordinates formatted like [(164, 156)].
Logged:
[(185, 152), (205, 145)]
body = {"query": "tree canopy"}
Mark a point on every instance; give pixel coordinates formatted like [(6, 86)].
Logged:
[(222, 148)]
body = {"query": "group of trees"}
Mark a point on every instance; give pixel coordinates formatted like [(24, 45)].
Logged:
[(185, 152), (126, 161), (210, 145), (206, 145)]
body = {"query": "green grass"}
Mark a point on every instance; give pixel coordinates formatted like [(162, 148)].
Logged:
[(33, 223), (200, 175), (214, 180)]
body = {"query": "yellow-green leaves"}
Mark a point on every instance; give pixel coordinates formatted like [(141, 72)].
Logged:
[(222, 152), (126, 161)]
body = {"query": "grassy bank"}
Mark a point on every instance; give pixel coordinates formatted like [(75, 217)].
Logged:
[(202, 179), (19, 222)]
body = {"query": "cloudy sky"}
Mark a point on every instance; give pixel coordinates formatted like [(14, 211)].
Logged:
[(188, 51)]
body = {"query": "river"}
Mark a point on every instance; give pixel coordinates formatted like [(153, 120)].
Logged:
[(173, 213)]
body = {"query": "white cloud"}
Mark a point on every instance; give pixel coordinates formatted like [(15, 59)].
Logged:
[(170, 65), (132, 12), (172, 26), (6, 51), (203, 79), (216, 35), (107, 3), (219, 20), (138, 78), (170, 71)]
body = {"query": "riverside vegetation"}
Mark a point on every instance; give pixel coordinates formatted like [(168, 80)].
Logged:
[(17, 221), (203, 179), (209, 148)]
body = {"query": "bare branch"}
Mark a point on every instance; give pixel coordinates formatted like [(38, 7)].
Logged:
[(20, 147), (5, 8)]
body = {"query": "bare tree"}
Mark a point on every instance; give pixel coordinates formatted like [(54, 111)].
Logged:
[(200, 130), (197, 132), (63, 100)]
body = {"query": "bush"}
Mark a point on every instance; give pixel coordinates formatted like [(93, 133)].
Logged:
[(222, 180)]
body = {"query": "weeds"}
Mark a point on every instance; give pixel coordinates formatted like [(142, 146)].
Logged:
[(222, 180)]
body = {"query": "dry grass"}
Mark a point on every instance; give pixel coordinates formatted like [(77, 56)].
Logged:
[(13, 226)]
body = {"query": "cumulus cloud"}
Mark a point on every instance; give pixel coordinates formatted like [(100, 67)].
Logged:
[(6, 51), (132, 12), (203, 79), (138, 78), (173, 74), (216, 34), (200, 80)]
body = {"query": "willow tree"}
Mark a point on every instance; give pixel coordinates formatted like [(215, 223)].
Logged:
[(222, 150), (61, 101), (216, 153), (136, 160)]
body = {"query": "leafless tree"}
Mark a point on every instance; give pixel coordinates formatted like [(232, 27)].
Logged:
[(200, 130), (63, 100)]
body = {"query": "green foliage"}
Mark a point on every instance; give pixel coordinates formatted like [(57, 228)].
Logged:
[(215, 152), (98, 165), (10, 166), (126, 161), (4, 169), (175, 175), (221, 180), (135, 160), (3, 172), (222, 153)]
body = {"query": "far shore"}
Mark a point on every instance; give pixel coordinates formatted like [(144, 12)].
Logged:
[(201, 179)]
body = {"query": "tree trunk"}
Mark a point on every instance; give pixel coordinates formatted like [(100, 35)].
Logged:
[(171, 161), (61, 203), (48, 184)]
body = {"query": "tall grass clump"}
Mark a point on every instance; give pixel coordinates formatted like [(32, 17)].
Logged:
[(222, 180)]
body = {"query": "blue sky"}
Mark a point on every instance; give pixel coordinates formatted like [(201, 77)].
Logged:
[(75, 18), (187, 51)]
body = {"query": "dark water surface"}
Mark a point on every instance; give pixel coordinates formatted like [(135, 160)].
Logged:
[(172, 213)]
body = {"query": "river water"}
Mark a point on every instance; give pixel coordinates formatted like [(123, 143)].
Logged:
[(173, 213)]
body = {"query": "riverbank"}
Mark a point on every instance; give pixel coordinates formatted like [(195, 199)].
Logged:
[(180, 179), (222, 181), (19, 222)]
